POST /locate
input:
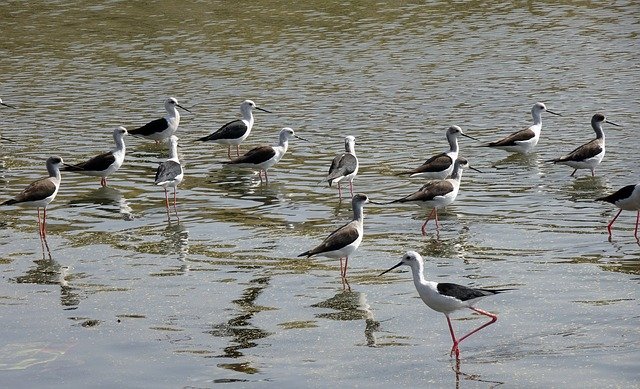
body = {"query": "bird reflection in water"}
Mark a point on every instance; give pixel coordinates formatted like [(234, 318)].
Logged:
[(107, 196), (459, 374), (176, 241), (47, 271), (243, 334), (351, 305), (516, 159)]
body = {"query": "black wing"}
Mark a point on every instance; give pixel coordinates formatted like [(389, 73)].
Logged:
[(519, 136), (255, 156), (96, 164), (151, 128), (168, 171), (622, 193), (464, 293), (232, 130), (338, 239)]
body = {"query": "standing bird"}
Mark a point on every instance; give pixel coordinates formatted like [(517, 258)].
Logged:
[(41, 192), (524, 141), (235, 132), (162, 128), (627, 199), (263, 157), (446, 297), (104, 164), (344, 167), (170, 173), (344, 241), (590, 154), (10, 106), (438, 193), (440, 165)]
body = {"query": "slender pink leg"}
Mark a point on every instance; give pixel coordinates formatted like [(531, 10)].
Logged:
[(635, 234), (266, 177), (44, 223), (424, 232), (454, 348), (238, 150), (175, 209), (346, 262), (339, 191), (39, 223), (493, 320), (593, 172), (351, 188), (611, 224), (437, 224), (229, 151), (341, 266), (166, 202)]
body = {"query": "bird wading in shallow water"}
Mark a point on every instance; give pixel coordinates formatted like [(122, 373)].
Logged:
[(446, 297), (524, 141), (440, 166), (105, 164), (262, 158), (344, 241), (41, 192), (344, 167), (438, 193), (170, 174), (627, 199), (162, 128), (236, 131), (590, 154)]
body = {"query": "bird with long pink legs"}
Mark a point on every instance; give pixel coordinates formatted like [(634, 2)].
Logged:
[(344, 167), (41, 192), (105, 164), (627, 199), (438, 193), (170, 174), (447, 297)]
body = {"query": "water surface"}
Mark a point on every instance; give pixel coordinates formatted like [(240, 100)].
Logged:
[(221, 296)]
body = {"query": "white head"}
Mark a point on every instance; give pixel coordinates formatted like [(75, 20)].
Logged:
[(410, 258), (248, 105), (539, 107), (350, 144), (286, 134), (456, 131), (171, 103)]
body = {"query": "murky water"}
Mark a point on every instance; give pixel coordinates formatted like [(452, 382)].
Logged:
[(127, 299)]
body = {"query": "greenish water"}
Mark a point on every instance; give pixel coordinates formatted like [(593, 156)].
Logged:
[(121, 297)]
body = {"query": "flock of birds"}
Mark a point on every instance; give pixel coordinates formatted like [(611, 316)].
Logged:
[(443, 171)]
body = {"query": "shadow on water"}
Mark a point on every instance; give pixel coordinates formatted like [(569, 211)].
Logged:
[(460, 375), (49, 272), (106, 197), (351, 305), (529, 160), (585, 188), (243, 334)]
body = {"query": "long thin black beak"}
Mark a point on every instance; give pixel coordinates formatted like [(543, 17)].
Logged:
[(299, 137), (472, 168), (388, 270), (180, 106), (470, 137), (263, 110), (375, 202), (612, 123), (7, 105), (553, 113)]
